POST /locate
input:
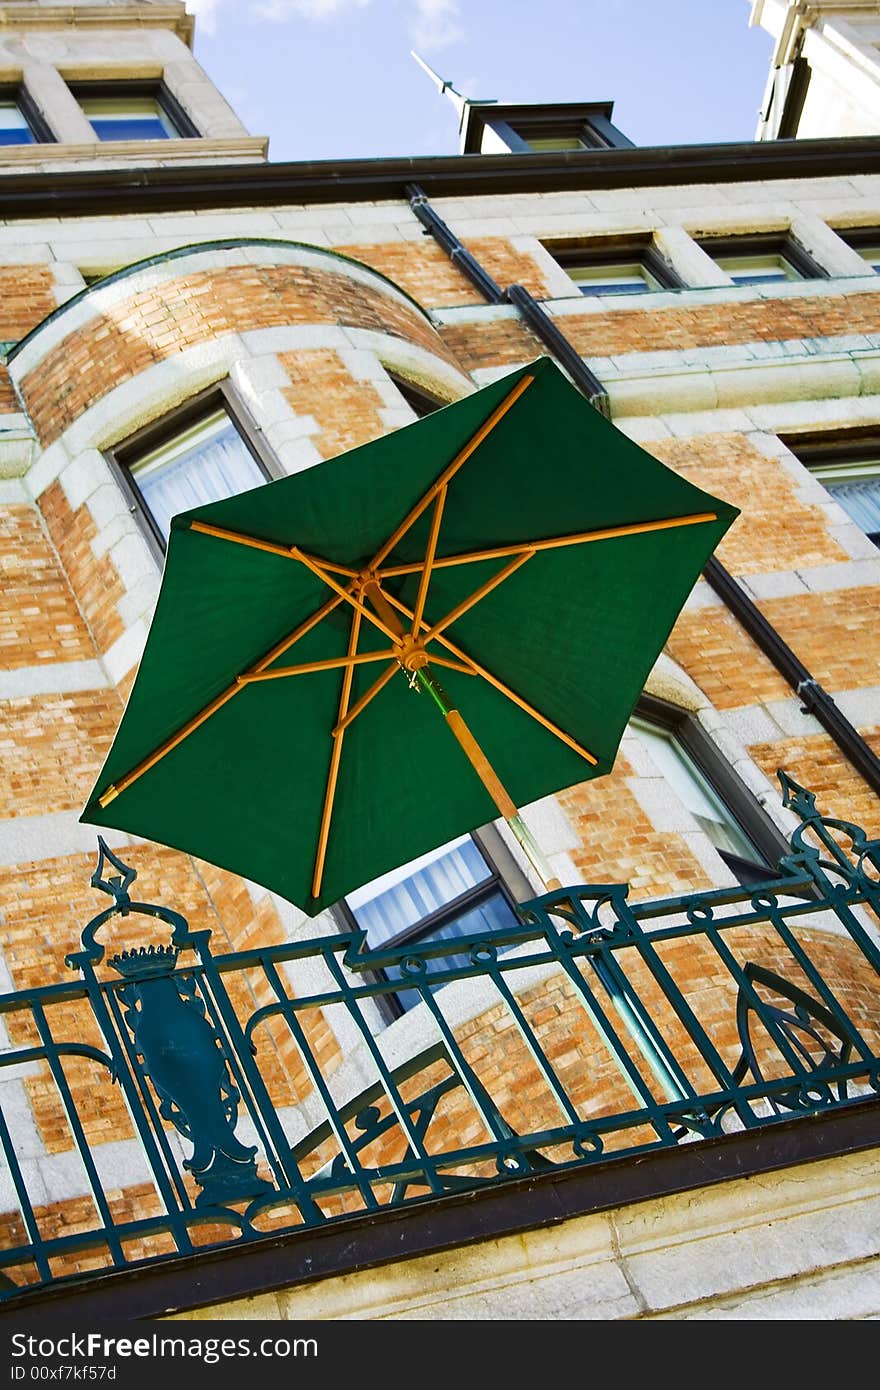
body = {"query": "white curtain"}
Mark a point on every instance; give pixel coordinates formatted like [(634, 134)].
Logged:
[(215, 466), (402, 904), (861, 499)]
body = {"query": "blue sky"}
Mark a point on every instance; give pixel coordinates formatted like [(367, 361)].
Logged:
[(334, 79)]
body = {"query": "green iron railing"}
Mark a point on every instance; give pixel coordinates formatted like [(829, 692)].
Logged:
[(597, 1029)]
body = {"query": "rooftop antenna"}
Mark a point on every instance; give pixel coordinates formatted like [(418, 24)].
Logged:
[(445, 88)]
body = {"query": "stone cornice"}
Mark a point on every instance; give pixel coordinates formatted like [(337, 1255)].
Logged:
[(139, 16)]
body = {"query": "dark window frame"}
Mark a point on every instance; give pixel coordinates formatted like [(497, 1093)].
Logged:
[(744, 807), (515, 123), (141, 87), (856, 237), (505, 877), (615, 250), (36, 121), (781, 243), (824, 448), (420, 401), (221, 396)]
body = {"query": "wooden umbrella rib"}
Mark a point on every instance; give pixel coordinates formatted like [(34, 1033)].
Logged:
[(337, 735), (465, 670), (318, 567), (217, 703), (271, 547), (479, 670), (473, 599), (367, 696), (553, 543), (331, 664), (356, 603), (523, 704), (430, 552), (452, 468)]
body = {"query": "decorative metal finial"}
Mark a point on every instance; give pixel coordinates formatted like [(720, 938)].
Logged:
[(117, 886), (796, 798)]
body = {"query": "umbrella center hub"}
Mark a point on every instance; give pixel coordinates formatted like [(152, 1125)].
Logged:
[(412, 655)]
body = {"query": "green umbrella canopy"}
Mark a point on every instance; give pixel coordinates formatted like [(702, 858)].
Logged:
[(545, 666)]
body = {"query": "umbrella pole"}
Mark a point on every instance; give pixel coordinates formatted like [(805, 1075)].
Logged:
[(422, 676), (428, 682)]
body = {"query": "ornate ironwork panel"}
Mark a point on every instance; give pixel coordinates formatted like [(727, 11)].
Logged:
[(595, 1028)]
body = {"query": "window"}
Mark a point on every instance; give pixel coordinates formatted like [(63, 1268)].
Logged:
[(20, 120), (865, 240), (492, 127), (451, 891), (856, 486), (742, 833), (549, 143), (615, 265), (419, 402), (762, 259), (201, 453), (848, 466), (132, 111)]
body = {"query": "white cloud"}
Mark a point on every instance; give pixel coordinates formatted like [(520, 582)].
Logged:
[(430, 24), (435, 23), (204, 11), (279, 10)]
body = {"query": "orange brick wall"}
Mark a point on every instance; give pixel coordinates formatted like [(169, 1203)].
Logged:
[(346, 410), (492, 343), (618, 844), (26, 297), (815, 761), (53, 745), (776, 530), (39, 617), (95, 582), (426, 272), (726, 664), (651, 330), (8, 399), (159, 322), (835, 634), (53, 748)]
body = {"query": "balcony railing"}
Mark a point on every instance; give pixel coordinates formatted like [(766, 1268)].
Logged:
[(175, 1101)]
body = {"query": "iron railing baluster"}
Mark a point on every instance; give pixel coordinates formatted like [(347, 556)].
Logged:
[(395, 1099), (336, 1123)]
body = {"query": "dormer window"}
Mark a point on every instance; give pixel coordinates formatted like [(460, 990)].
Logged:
[(133, 111), (546, 129)]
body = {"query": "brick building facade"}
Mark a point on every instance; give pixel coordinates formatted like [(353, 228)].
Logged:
[(725, 303)]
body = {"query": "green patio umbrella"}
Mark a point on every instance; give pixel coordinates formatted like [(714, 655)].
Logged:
[(352, 666)]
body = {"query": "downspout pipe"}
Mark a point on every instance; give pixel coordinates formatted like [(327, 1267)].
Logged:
[(534, 314), (814, 698), (545, 328), (455, 249)]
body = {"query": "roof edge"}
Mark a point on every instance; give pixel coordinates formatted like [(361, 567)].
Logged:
[(353, 180)]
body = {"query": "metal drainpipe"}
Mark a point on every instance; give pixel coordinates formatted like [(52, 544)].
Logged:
[(814, 697), (534, 314)]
